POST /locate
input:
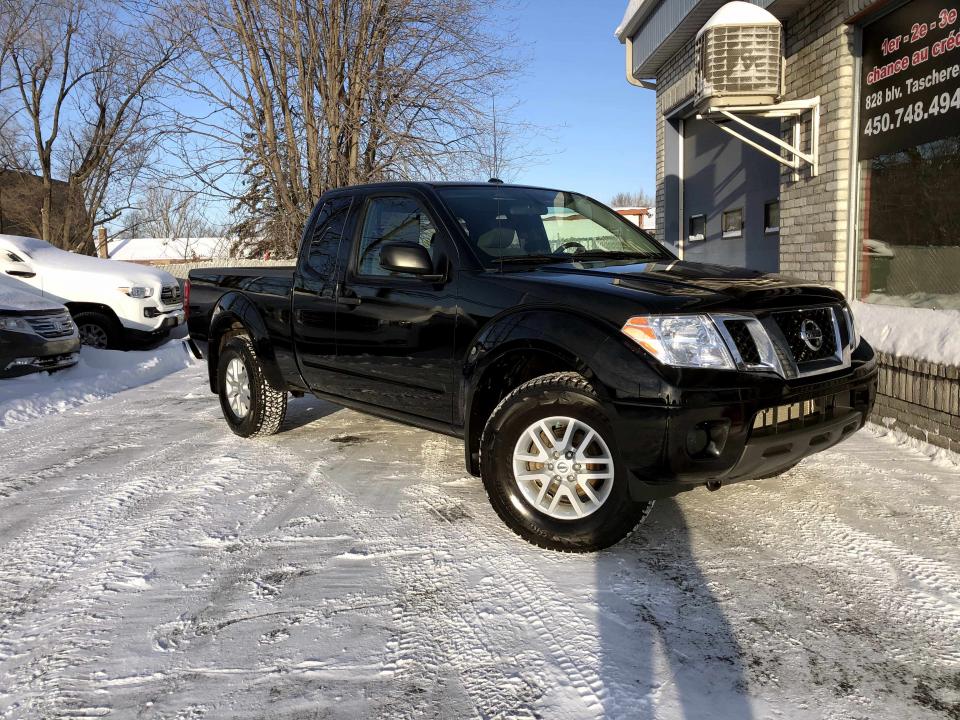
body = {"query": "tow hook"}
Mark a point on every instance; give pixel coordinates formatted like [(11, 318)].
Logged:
[(713, 485)]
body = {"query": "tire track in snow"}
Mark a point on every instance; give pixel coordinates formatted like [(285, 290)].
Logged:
[(58, 584), (437, 640), (61, 580), (446, 625)]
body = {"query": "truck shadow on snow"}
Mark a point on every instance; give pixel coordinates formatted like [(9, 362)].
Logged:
[(666, 647), (303, 411)]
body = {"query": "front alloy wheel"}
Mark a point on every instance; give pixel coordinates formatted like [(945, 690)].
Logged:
[(563, 467), (93, 336), (552, 470)]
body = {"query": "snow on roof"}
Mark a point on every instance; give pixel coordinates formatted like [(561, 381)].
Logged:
[(632, 10), (169, 248)]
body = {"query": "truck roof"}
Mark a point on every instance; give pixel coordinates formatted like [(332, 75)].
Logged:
[(398, 184)]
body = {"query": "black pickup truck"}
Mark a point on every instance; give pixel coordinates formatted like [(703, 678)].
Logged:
[(588, 370)]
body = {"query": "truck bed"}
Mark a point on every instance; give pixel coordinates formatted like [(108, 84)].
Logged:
[(269, 286)]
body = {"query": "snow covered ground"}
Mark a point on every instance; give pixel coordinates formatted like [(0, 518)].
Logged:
[(98, 374), (153, 565)]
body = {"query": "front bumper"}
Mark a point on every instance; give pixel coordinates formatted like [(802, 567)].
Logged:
[(22, 353), (656, 447), (161, 320)]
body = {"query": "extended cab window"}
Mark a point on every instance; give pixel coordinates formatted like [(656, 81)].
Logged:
[(322, 254), (392, 219)]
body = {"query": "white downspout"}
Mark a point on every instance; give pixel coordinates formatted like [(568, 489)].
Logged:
[(645, 84)]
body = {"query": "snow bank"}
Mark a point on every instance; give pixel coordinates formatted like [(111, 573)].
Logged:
[(897, 437), (931, 335), (99, 374)]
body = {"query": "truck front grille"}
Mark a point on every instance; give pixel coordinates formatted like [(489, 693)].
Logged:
[(744, 342), (171, 295), (795, 343), (52, 326), (811, 334)]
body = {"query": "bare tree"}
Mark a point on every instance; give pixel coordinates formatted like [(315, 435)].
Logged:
[(300, 96), (85, 73), (632, 199), (170, 213)]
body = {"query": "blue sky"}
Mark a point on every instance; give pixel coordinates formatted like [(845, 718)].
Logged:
[(601, 127)]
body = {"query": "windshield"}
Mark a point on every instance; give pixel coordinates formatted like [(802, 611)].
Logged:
[(510, 224)]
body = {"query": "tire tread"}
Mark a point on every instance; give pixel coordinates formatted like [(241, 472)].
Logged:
[(565, 381)]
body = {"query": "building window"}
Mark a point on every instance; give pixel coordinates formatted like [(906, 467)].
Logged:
[(697, 228), (733, 223), (771, 217), (908, 217)]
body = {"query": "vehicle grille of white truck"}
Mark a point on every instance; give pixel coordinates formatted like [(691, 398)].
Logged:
[(171, 295), (52, 326)]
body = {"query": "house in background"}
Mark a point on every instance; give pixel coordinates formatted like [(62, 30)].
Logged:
[(643, 217), (164, 251), (21, 200)]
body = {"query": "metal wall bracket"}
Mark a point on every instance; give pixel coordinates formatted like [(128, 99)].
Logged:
[(796, 109)]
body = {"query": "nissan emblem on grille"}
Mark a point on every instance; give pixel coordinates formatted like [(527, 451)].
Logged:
[(811, 334)]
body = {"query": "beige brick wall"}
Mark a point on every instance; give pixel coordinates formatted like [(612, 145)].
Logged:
[(813, 210), (920, 398)]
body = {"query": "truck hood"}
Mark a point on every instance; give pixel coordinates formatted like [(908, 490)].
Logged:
[(682, 286), (61, 267), (18, 298)]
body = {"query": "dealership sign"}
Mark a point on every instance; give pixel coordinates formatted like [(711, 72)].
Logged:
[(910, 77)]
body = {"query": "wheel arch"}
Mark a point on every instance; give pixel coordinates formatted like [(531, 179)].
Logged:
[(76, 308), (235, 314), (520, 346)]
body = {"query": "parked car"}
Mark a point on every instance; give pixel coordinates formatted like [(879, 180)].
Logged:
[(588, 370), (35, 333), (111, 302)]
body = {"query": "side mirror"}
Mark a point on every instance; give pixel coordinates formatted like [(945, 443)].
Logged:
[(12, 264), (406, 257)]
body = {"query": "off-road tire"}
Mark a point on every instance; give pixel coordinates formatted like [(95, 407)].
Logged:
[(109, 327), (567, 394), (268, 405)]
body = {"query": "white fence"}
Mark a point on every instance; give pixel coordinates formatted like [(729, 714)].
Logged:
[(180, 270)]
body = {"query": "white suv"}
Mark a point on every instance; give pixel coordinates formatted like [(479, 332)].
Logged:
[(111, 301)]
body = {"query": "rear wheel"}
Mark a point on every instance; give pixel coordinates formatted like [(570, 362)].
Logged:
[(251, 406), (97, 330), (551, 467)]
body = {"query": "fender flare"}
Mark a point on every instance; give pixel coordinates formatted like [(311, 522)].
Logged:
[(232, 309), (614, 366)]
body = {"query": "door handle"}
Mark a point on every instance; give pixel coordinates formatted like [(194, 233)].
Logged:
[(346, 296)]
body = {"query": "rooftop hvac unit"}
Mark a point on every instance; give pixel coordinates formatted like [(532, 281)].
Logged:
[(739, 60)]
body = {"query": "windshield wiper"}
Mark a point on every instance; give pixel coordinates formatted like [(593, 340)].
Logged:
[(614, 255), (534, 257)]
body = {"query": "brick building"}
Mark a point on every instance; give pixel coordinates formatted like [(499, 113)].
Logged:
[(869, 98), (21, 201)]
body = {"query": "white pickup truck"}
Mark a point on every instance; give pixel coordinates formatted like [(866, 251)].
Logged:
[(112, 302)]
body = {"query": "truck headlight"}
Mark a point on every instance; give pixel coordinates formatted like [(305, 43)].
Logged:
[(680, 340), (140, 293), (14, 324)]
